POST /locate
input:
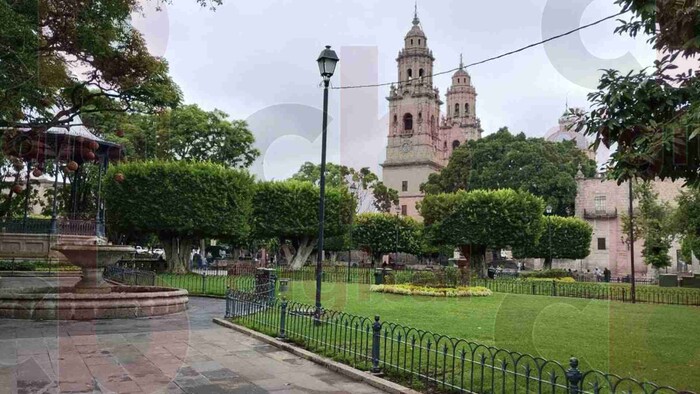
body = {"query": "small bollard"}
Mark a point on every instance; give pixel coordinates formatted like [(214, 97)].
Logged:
[(283, 320), (573, 376), (284, 285), (376, 329)]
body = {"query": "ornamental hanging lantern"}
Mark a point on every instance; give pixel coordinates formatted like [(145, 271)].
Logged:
[(327, 61)]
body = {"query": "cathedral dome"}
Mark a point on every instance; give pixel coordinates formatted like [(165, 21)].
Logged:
[(415, 31)]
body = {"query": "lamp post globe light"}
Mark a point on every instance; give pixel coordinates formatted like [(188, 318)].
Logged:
[(548, 212), (327, 61)]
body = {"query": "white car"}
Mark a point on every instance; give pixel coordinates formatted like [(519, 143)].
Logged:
[(140, 250), (158, 252)]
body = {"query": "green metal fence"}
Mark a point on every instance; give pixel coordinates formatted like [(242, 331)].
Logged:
[(424, 360)]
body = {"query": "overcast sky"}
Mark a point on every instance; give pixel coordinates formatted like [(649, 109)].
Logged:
[(256, 60)]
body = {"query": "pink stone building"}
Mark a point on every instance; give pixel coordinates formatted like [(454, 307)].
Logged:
[(602, 203), (420, 137)]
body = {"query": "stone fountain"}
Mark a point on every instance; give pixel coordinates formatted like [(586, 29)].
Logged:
[(92, 297)]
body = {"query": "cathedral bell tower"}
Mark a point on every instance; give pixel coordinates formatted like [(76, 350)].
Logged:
[(414, 148), (460, 123)]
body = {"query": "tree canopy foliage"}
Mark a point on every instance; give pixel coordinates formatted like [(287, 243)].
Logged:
[(503, 160), (382, 233), (570, 239), (288, 210), (480, 219), (186, 132), (687, 221), (653, 222), (60, 59), (651, 118), (180, 203), (363, 184)]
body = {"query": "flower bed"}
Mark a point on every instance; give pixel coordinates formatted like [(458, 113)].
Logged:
[(407, 289)]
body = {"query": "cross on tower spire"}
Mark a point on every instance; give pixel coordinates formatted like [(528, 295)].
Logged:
[(461, 63), (416, 21)]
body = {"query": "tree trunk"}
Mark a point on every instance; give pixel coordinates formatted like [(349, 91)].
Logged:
[(474, 255), (547, 265), (176, 253), (302, 253)]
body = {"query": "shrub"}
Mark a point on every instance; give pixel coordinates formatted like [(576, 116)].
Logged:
[(553, 273), (17, 265), (432, 291)]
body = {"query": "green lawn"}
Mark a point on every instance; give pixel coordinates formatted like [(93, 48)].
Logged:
[(658, 343)]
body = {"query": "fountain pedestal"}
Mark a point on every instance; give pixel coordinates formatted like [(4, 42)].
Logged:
[(93, 259)]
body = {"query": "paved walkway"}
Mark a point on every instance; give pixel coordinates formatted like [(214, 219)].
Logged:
[(181, 353)]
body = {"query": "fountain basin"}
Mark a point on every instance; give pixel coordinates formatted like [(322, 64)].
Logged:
[(93, 259), (63, 303)]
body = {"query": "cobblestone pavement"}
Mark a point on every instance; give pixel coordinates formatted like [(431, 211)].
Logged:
[(181, 353)]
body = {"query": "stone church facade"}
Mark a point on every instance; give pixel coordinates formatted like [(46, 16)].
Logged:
[(420, 137)]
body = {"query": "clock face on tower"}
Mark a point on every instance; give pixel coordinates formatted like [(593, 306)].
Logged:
[(406, 146)]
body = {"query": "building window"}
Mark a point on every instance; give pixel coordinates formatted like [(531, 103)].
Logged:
[(410, 73), (408, 122), (466, 109), (456, 109), (420, 72), (455, 144), (404, 186), (404, 210), (396, 119), (599, 204), (411, 41), (419, 41), (601, 244)]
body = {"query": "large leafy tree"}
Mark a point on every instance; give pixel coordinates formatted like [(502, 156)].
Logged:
[(179, 202), (288, 210), (563, 238), (502, 160), (653, 222), (186, 132), (687, 221), (651, 118), (60, 59), (480, 219), (382, 233), (366, 187)]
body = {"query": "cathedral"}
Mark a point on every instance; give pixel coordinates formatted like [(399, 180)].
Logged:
[(420, 137)]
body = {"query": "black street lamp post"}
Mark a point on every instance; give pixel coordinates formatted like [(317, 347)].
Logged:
[(396, 245), (327, 61), (548, 211)]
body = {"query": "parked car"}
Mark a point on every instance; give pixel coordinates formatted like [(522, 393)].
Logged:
[(159, 253), (141, 250)]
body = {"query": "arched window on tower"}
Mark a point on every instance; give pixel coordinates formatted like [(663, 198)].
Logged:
[(410, 74), (396, 119), (408, 122), (456, 110), (466, 109), (455, 144), (420, 72), (411, 41), (420, 117), (419, 41)]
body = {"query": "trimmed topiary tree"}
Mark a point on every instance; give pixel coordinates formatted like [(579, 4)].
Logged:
[(481, 219), (376, 233), (288, 210), (180, 202), (571, 239)]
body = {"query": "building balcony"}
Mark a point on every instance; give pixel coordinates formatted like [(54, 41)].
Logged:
[(599, 214)]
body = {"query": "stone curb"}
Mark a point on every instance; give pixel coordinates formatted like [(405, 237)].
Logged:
[(355, 374), (41, 274)]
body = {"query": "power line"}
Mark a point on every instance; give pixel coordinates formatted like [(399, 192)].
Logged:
[(494, 57)]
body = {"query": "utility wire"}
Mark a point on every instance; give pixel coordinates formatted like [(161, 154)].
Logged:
[(491, 58)]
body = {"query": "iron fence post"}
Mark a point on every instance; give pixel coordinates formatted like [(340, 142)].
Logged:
[(283, 320), (228, 303), (573, 376), (376, 329), (204, 283), (554, 288)]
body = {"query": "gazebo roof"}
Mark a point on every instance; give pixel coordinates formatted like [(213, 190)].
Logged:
[(66, 142)]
